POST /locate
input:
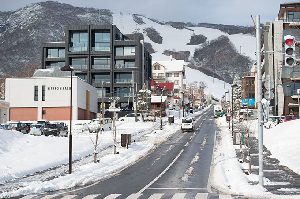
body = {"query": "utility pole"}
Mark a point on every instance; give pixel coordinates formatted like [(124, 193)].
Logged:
[(259, 98)]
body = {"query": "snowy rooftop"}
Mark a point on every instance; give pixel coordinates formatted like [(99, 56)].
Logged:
[(172, 65), (50, 72)]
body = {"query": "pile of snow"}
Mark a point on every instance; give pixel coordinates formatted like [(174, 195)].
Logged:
[(227, 175), (23, 154)]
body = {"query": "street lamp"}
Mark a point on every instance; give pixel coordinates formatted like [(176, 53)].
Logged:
[(69, 68)]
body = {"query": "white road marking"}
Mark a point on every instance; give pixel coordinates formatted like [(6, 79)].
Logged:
[(178, 196), (201, 196), (134, 196), (156, 196), (162, 173), (112, 196), (92, 196)]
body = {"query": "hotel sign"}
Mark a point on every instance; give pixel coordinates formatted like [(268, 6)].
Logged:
[(59, 88)]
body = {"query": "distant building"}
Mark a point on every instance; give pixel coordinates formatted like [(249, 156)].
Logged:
[(170, 71), (105, 58), (47, 94), (284, 77)]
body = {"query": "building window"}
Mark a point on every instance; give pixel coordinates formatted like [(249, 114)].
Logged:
[(157, 67), (79, 41), (99, 77), (125, 64), (123, 77), (176, 74), (105, 92), (101, 42), (55, 53), (161, 75), (122, 92), (79, 63), (293, 16), (36, 93), (43, 93), (176, 90), (176, 82), (101, 63), (57, 65), (125, 51), (168, 74)]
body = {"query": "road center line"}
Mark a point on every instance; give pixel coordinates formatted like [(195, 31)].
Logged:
[(162, 173)]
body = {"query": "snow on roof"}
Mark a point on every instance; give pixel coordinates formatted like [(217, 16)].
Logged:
[(157, 99), (172, 65), (50, 72)]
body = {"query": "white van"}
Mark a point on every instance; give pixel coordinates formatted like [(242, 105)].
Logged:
[(104, 123)]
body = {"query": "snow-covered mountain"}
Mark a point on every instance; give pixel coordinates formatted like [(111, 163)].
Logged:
[(23, 31)]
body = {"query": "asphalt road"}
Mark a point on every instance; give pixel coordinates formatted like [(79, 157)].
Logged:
[(177, 168)]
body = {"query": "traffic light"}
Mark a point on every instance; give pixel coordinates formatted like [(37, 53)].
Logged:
[(289, 46)]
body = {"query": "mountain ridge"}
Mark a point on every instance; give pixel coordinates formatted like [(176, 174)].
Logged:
[(23, 31)]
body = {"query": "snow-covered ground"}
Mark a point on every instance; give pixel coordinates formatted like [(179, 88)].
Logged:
[(22, 154), (228, 177)]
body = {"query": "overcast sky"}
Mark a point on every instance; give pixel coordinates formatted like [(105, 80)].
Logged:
[(231, 12)]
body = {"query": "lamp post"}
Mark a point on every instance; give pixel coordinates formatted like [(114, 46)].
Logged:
[(232, 86), (69, 68)]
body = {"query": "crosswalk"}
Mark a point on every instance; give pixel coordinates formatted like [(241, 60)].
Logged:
[(132, 196)]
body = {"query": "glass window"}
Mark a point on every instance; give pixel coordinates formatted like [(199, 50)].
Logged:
[(55, 64), (176, 74), (79, 41), (156, 67), (61, 53), (98, 78), (79, 63), (102, 42), (129, 50), (122, 92), (161, 75), (101, 63), (36, 93), (119, 51), (105, 92), (43, 93), (125, 51), (123, 77), (176, 82), (120, 64), (169, 74)]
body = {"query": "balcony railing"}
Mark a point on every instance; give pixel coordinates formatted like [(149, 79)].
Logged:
[(125, 80), (79, 67), (123, 95), (78, 47), (102, 66), (159, 77), (125, 66), (100, 80)]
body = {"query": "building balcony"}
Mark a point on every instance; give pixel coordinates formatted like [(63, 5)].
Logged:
[(79, 67), (158, 77), (126, 80), (102, 66), (78, 47), (100, 80)]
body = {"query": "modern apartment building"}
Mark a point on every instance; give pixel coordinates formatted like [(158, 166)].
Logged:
[(105, 58), (285, 76)]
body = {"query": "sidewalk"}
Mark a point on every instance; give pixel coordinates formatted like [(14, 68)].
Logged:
[(278, 179)]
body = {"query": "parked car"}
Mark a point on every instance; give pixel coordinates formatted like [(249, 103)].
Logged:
[(131, 117), (104, 124), (25, 127), (187, 124), (16, 126), (36, 129), (149, 117), (80, 127), (62, 129), (56, 129), (4, 126)]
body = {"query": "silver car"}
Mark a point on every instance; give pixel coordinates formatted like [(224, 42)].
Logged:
[(187, 124)]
